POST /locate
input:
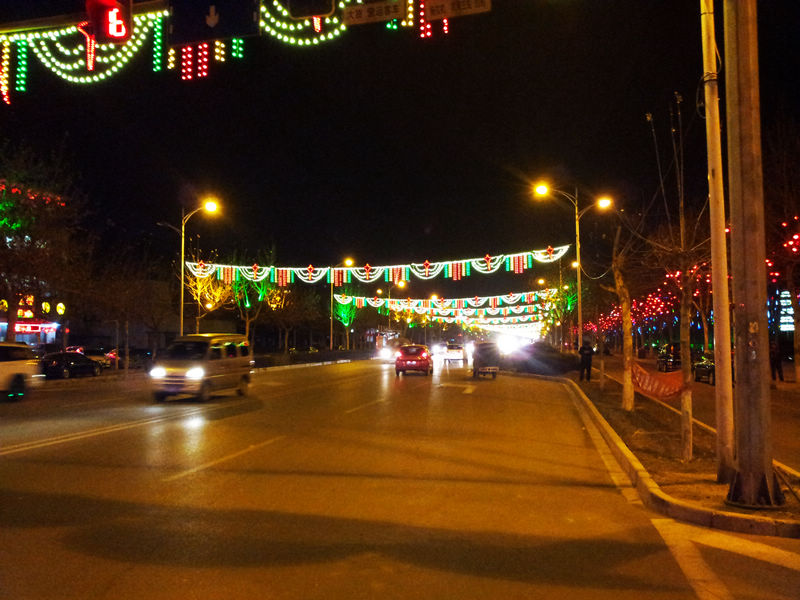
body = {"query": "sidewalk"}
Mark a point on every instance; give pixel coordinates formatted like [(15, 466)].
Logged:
[(646, 443)]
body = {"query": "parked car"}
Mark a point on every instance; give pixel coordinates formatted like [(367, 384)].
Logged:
[(96, 354), (18, 369), (413, 357), (68, 364), (704, 368), (485, 359)]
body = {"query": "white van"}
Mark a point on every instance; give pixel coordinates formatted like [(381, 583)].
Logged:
[(18, 369), (202, 363)]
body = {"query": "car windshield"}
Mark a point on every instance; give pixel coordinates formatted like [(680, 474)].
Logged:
[(454, 347), (412, 350), (186, 350)]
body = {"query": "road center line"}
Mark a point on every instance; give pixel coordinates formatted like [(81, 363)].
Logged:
[(352, 410), (223, 459)]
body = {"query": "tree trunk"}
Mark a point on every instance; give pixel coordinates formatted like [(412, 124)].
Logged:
[(624, 296), (686, 369)]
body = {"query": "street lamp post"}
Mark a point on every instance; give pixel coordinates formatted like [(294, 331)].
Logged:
[(401, 284), (604, 202), (209, 206), (348, 262)]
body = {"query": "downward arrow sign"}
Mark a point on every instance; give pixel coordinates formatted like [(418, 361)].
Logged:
[(212, 18)]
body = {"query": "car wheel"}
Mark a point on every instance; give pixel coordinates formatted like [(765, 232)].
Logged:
[(711, 378), (397, 372), (65, 373), (696, 375), (205, 392), (494, 375), (159, 396), (96, 371), (17, 388), (244, 385)]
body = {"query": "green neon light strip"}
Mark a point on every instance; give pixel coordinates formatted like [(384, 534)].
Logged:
[(21, 76)]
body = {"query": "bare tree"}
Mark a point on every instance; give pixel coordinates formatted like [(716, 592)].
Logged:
[(680, 248)]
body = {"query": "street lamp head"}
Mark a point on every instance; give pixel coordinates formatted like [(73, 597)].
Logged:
[(604, 202), (348, 262), (574, 264), (401, 284), (379, 291), (540, 282), (211, 205), (541, 189)]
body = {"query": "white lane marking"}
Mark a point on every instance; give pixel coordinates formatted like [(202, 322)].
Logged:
[(79, 435), (352, 410), (618, 476), (468, 389), (703, 580), (223, 459)]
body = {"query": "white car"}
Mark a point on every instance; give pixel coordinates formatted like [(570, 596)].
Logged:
[(18, 369), (455, 352)]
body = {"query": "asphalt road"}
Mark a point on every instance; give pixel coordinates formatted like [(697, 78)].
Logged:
[(343, 481)]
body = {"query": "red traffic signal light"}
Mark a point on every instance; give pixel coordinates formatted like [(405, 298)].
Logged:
[(111, 20)]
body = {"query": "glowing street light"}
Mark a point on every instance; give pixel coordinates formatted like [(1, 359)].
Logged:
[(541, 190)]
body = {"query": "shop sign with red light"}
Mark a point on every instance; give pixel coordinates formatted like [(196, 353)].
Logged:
[(36, 327)]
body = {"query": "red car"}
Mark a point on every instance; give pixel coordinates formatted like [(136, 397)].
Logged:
[(413, 357)]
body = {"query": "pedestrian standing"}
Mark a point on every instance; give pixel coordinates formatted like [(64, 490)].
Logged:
[(586, 351), (775, 362)]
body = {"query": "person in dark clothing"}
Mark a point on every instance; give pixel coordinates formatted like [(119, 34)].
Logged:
[(586, 352), (775, 363)]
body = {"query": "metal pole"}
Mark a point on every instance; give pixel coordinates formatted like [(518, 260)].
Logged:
[(755, 483), (578, 258), (331, 342), (183, 237), (723, 390)]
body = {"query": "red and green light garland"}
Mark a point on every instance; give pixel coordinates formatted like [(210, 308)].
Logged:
[(337, 276)]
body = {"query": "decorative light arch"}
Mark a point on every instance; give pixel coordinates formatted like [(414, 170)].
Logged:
[(455, 269)]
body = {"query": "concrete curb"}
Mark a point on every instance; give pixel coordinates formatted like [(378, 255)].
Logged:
[(681, 510)]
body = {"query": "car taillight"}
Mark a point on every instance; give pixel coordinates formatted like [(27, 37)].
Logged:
[(424, 355), (398, 354)]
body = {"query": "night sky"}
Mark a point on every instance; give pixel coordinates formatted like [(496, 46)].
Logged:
[(392, 149)]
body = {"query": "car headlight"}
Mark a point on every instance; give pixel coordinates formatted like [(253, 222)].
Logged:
[(195, 373), (158, 372)]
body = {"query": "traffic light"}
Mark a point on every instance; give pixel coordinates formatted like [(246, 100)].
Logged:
[(304, 9), (111, 20)]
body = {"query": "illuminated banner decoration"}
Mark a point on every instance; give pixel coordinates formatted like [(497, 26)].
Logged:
[(488, 302), (455, 270)]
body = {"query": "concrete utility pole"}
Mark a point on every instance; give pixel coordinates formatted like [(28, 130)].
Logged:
[(719, 252), (754, 483)]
